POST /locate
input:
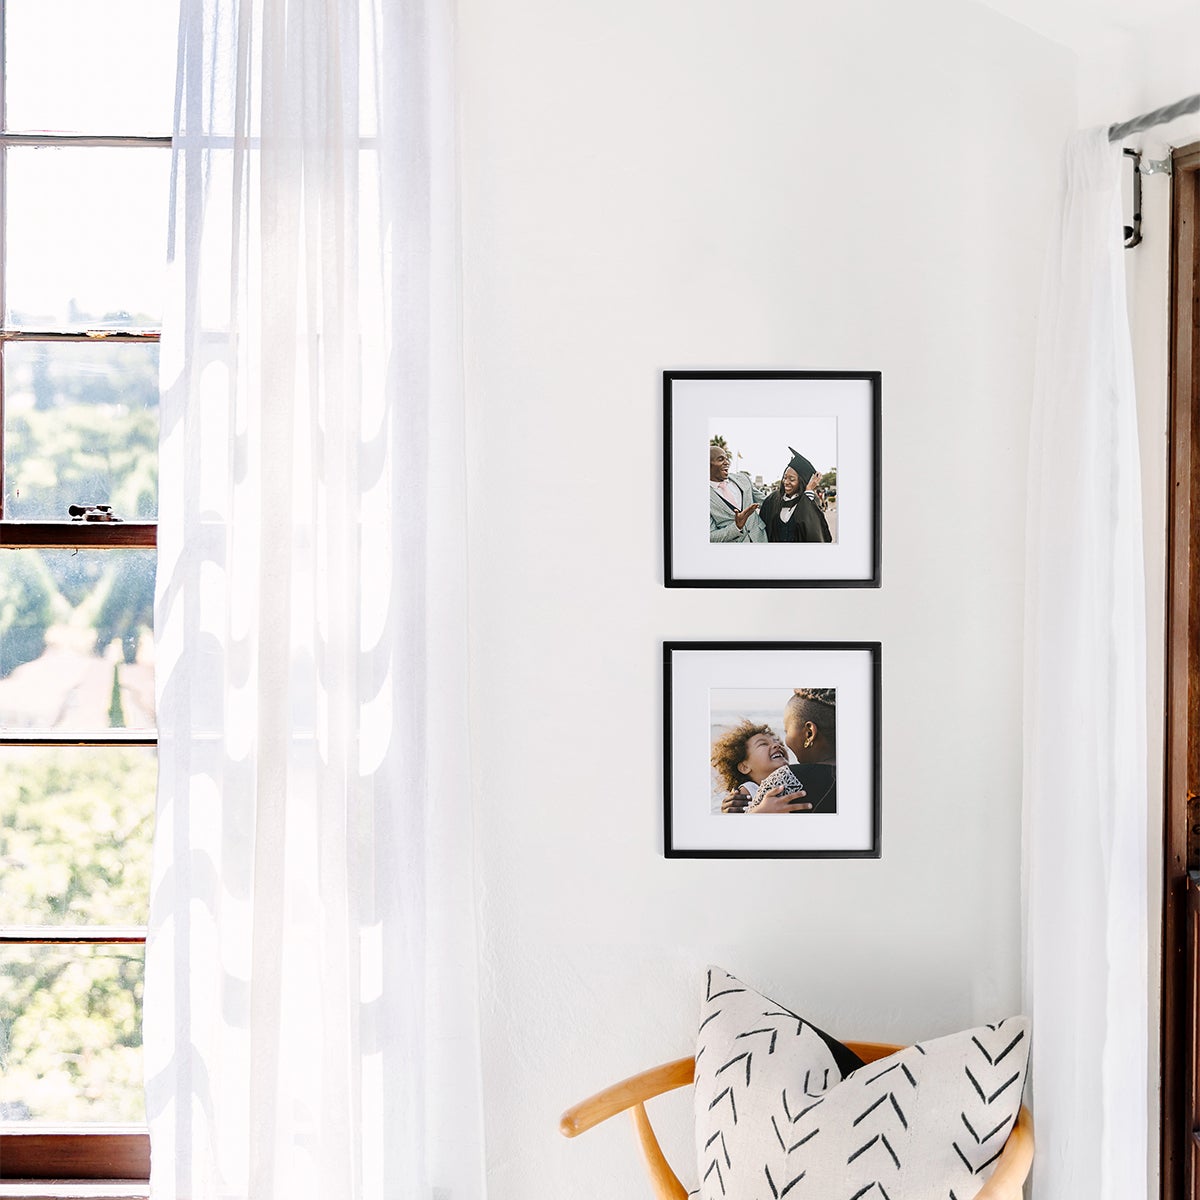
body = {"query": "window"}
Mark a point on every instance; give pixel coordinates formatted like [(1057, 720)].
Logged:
[(85, 96)]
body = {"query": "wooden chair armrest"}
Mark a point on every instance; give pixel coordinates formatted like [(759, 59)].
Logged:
[(871, 1052), (620, 1096), (648, 1084)]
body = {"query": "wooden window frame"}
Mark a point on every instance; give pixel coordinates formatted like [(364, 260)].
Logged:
[(1180, 1062), (43, 1159)]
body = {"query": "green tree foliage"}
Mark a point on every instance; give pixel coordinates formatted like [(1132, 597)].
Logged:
[(26, 608), (126, 602), (70, 1034), (110, 590), (81, 454), (75, 828), (116, 710), (81, 427)]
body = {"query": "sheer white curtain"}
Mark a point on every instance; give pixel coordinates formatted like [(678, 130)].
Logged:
[(1085, 717), (310, 1020)]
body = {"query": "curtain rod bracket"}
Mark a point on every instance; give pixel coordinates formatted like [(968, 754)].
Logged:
[(1133, 233), (1141, 166), (1155, 166)]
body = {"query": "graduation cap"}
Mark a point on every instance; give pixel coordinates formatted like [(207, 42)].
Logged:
[(801, 466)]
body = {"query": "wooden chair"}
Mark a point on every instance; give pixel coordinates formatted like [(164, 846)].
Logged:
[(1005, 1183)]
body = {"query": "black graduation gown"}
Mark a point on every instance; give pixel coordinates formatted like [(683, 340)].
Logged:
[(808, 522)]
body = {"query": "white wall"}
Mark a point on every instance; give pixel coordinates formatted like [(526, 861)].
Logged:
[(657, 184)]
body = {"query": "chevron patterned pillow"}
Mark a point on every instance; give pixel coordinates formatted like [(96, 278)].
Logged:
[(783, 1109)]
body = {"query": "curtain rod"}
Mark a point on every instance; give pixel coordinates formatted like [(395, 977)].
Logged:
[(1160, 116)]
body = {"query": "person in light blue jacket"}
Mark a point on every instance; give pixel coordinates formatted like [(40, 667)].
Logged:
[(732, 502)]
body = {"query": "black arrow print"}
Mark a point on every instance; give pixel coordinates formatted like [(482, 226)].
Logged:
[(711, 995), (779, 1193), (783, 1012), (733, 1106), (808, 1137), (719, 1135), (824, 1084), (1003, 1087), (882, 1099), (788, 1112), (967, 1164), (878, 1138), (987, 1137), (897, 1066), (751, 1032), (864, 1191), (715, 1166), (1003, 1053), (738, 1058)]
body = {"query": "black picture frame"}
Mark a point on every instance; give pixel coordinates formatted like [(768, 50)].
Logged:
[(710, 687), (769, 408)]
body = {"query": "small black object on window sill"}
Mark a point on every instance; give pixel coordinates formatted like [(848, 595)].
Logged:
[(91, 512)]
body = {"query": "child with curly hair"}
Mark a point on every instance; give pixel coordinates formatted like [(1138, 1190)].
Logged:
[(745, 756)]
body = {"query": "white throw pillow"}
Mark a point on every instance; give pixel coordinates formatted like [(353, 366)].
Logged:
[(783, 1109)]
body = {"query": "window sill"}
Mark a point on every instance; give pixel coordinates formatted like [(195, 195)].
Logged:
[(101, 1156), (73, 1189), (73, 535)]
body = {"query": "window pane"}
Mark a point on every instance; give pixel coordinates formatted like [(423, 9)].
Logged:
[(75, 829), (77, 66), (76, 645), (71, 1033), (87, 237), (80, 427)]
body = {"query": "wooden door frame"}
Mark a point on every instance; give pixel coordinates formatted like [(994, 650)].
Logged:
[(1181, 830)]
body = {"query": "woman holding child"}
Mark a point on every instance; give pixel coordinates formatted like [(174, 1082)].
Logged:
[(753, 762), (743, 758)]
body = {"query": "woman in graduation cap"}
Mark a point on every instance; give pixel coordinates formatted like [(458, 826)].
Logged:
[(790, 512)]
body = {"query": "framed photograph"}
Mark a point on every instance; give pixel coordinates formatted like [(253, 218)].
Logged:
[(793, 463), (771, 749)]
